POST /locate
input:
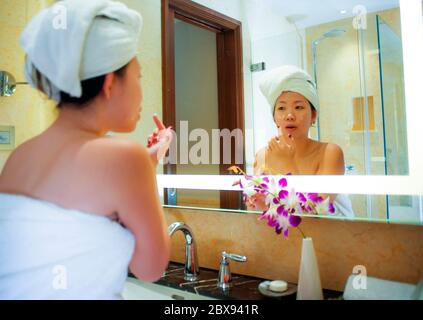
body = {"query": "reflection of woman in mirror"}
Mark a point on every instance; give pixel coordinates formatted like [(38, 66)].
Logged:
[(294, 102)]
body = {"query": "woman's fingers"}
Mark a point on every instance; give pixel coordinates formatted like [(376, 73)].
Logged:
[(158, 122), (273, 144), (288, 141), (164, 140)]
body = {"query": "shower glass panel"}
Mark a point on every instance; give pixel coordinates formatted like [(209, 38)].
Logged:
[(393, 100), (399, 208), (343, 65)]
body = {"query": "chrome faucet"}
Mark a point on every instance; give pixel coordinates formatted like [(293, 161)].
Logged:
[(225, 278), (191, 263)]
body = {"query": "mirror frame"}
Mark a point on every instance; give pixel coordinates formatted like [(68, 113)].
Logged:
[(412, 39)]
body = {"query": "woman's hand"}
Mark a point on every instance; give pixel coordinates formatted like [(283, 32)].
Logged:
[(280, 155), (159, 141), (257, 202)]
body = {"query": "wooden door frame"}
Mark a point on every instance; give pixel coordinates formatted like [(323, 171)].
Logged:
[(230, 75)]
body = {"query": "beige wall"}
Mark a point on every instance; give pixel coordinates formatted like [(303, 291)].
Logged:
[(388, 251), (150, 57), (26, 110)]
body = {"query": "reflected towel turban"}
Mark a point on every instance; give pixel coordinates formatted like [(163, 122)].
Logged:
[(288, 78)]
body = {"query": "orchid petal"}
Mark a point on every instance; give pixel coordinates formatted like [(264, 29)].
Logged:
[(294, 221), (313, 197), (301, 197), (283, 194), (283, 183), (265, 186), (280, 210)]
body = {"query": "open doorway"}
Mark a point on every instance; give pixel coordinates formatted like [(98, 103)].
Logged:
[(202, 87)]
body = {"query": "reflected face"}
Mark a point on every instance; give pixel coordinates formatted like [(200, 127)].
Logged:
[(293, 114), (127, 98)]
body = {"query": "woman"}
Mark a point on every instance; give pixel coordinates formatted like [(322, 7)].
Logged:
[(294, 103), (77, 207)]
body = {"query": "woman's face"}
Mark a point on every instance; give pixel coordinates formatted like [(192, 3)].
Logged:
[(293, 114), (126, 99)]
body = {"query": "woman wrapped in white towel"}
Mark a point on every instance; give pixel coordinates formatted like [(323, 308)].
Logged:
[(77, 207)]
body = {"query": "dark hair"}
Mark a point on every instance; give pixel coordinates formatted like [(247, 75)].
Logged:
[(90, 89)]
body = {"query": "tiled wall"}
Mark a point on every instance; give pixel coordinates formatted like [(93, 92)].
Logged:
[(26, 110), (388, 251)]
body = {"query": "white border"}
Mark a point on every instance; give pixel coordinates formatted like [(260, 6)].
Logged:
[(412, 39)]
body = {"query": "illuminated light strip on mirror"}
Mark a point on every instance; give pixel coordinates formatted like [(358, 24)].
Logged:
[(395, 185), (412, 39)]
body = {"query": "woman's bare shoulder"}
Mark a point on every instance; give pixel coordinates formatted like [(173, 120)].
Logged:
[(115, 150), (332, 149), (111, 164), (332, 160)]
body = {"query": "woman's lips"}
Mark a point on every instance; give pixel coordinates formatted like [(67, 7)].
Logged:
[(290, 129)]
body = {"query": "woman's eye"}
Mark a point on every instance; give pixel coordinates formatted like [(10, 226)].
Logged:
[(299, 107)]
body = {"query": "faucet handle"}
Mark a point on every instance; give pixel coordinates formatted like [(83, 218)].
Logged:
[(233, 256), (225, 278)]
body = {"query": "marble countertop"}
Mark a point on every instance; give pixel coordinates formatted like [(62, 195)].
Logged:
[(244, 287)]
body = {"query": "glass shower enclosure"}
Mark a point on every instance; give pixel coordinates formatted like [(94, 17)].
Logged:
[(359, 76)]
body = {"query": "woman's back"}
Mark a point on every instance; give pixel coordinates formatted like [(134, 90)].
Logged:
[(66, 168)]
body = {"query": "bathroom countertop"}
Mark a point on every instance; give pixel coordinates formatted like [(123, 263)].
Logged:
[(244, 287)]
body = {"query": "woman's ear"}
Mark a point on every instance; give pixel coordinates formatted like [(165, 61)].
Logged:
[(313, 115), (107, 85)]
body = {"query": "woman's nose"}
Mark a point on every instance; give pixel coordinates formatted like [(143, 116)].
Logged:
[(289, 116)]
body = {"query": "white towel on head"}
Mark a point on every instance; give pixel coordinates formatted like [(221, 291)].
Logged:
[(75, 40), (288, 78)]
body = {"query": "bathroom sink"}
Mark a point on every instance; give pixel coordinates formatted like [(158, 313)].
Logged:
[(135, 289)]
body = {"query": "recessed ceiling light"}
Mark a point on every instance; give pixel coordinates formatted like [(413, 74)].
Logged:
[(343, 11)]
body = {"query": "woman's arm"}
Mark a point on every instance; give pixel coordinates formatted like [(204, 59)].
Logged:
[(332, 164), (138, 205), (332, 161), (259, 162)]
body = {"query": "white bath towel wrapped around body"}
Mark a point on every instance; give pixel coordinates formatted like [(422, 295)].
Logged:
[(49, 252), (343, 206)]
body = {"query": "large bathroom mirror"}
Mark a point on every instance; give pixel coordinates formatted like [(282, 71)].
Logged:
[(352, 50), (361, 57)]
